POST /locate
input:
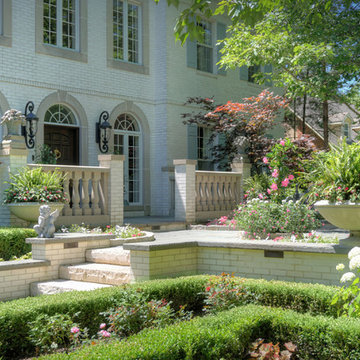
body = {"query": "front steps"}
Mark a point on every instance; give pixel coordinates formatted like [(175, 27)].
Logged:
[(103, 268)]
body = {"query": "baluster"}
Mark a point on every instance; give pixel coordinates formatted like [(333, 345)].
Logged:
[(76, 210), (227, 193), (198, 193), (96, 210), (222, 193), (67, 209), (86, 210), (216, 198), (211, 192), (104, 184)]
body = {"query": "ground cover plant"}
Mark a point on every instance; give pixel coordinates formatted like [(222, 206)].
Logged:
[(87, 309), (12, 242)]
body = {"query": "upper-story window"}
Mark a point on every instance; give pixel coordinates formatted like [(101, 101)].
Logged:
[(5, 22), (205, 48), (126, 31), (61, 23)]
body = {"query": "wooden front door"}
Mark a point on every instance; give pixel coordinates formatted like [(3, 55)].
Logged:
[(65, 139)]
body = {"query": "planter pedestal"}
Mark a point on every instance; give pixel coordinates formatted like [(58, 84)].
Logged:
[(345, 216)]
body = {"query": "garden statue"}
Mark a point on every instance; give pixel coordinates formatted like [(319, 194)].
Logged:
[(45, 227)]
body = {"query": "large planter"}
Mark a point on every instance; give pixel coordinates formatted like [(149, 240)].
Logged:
[(29, 211), (343, 215), (13, 127)]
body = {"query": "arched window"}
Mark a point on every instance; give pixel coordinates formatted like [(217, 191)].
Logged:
[(60, 114), (127, 141)]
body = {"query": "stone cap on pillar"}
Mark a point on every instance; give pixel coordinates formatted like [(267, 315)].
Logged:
[(111, 157), (184, 162)]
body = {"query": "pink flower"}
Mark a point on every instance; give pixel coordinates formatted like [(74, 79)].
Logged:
[(291, 177), (316, 194), (261, 196), (274, 186), (74, 330), (282, 143), (339, 188), (275, 173), (268, 191), (288, 210), (102, 326), (285, 182), (104, 333), (265, 160)]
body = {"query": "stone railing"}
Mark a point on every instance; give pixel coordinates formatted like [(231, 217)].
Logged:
[(90, 193), (217, 193), (204, 195)]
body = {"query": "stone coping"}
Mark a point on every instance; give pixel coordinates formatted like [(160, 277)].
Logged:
[(240, 244), (70, 237), (22, 264), (63, 238)]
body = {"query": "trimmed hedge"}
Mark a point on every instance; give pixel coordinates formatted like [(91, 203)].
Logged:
[(15, 315), (12, 242), (229, 334)]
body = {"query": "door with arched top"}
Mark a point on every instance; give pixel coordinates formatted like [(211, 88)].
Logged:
[(128, 142), (61, 134)]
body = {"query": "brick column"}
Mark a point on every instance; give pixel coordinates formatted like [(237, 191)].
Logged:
[(13, 156), (241, 165), (115, 195), (185, 179)]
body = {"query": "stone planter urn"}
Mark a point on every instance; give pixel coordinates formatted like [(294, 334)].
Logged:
[(12, 119), (29, 211), (343, 215)]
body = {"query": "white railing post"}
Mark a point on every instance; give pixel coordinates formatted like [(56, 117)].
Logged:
[(241, 165), (185, 192), (115, 195)]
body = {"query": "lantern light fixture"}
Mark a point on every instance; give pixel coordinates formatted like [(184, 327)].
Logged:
[(103, 132), (29, 130)]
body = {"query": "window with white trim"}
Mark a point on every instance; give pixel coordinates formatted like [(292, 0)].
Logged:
[(61, 23), (126, 31), (204, 48), (60, 115), (204, 155), (253, 70)]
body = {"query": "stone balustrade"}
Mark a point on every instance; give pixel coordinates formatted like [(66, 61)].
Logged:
[(204, 195), (89, 191)]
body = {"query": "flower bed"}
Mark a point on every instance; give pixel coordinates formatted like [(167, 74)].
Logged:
[(229, 334)]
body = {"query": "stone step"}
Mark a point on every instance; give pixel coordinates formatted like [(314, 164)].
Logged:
[(97, 273), (115, 255), (60, 286)]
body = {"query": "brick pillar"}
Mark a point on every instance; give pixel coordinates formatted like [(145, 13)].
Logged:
[(13, 156), (242, 165), (115, 195), (185, 179)]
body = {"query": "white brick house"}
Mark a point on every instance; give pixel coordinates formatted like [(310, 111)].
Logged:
[(77, 58)]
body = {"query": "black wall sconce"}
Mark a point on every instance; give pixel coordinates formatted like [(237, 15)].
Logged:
[(30, 128), (103, 132)]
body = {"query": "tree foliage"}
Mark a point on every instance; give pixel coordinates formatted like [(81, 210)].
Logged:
[(243, 124)]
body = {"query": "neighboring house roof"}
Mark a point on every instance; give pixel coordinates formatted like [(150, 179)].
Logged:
[(338, 114)]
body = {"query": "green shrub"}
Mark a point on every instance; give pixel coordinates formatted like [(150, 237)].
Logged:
[(260, 218), (12, 242), (229, 334), (16, 315)]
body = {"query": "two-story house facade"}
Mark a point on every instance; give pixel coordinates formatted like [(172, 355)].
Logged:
[(77, 58)]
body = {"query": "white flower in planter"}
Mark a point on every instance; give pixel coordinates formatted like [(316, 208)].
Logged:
[(349, 276), (354, 263), (340, 267), (354, 252), (12, 115)]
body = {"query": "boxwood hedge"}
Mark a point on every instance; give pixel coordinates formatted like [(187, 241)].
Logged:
[(12, 242), (15, 315), (229, 334)]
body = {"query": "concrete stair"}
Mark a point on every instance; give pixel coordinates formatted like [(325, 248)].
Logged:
[(95, 272), (104, 267)]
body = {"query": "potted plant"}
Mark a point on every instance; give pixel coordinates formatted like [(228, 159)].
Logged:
[(31, 188), (334, 186), (12, 119)]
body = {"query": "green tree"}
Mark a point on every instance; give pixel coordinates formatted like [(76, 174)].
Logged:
[(313, 45)]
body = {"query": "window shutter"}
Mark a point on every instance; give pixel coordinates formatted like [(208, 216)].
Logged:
[(244, 73), (220, 34), (268, 69), (191, 53), (192, 141)]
